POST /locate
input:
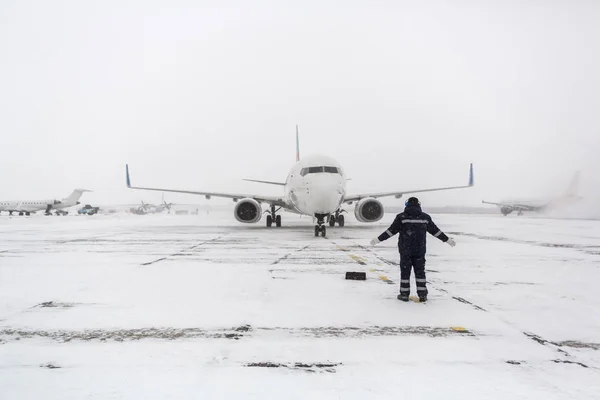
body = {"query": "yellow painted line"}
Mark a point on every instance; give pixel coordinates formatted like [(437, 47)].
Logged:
[(458, 329), (358, 259), (385, 279)]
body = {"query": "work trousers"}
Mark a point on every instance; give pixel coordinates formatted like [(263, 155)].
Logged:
[(408, 261)]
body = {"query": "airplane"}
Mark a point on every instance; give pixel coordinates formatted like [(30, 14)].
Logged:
[(163, 206), (315, 186), (143, 209), (147, 208), (27, 207), (540, 206)]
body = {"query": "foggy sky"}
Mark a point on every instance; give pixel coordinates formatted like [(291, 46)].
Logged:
[(197, 95)]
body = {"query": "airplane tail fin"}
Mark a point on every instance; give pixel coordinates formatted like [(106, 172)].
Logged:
[(573, 186), (569, 196), (75, 196), (297, 145)]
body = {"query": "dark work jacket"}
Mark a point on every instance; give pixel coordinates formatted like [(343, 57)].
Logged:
[(412, 226)]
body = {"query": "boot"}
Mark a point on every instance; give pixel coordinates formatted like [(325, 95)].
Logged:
[(403, 296)]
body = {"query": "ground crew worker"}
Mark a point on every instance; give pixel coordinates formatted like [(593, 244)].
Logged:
[(412, 226)]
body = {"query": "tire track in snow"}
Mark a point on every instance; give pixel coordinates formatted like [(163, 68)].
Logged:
[(234, 333), (285, 257), (184, 250), (589, 249), (534, 337)]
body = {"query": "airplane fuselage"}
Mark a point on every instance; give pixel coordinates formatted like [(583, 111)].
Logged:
[(25, 205), (29, 206), (316, 186)]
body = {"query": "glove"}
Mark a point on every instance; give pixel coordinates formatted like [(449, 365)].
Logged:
[(451, 242), (374, 241)]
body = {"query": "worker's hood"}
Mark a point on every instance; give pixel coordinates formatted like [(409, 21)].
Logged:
[(413, 209)]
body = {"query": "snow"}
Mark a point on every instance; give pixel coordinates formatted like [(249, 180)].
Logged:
[(165, 306)]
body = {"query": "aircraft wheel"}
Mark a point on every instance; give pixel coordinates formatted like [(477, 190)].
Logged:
[(317, 230), (323, 230), (269, 221), (341, 221), (28, 214), (278, 221), (332, 221), (20, 213)]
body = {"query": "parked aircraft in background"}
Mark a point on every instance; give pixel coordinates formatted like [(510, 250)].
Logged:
[(26, 207), (539, 206), (147, 208)]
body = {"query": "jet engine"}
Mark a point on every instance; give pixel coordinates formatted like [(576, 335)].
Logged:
[(247, 211), (506, 210), (368, 210)]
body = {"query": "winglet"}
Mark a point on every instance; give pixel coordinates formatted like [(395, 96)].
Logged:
[(128, 181), (297, 145), (471, 180)]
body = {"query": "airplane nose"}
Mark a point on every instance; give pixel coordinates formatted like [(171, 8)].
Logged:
[(323, 200), (319, 194)]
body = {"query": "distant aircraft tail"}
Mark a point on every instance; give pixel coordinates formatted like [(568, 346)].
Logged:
[(570, 195), (297, 145), (249, 180), (573, 186), (74, 197)]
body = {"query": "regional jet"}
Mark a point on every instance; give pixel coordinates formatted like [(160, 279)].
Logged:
[(26, 207), (315, 186), (540, 206)]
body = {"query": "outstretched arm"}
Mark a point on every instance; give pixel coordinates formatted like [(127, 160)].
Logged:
[(437, 232), (391, 231)]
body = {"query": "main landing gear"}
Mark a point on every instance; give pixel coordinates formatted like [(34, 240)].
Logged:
[(273, 217), (337, 217)]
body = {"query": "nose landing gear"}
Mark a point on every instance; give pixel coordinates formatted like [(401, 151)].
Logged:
[(320, 227)]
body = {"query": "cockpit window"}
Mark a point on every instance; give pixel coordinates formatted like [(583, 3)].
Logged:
[(317, 170)]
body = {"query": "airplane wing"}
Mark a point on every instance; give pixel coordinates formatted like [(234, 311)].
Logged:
[(398, 194), (276, 201)]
